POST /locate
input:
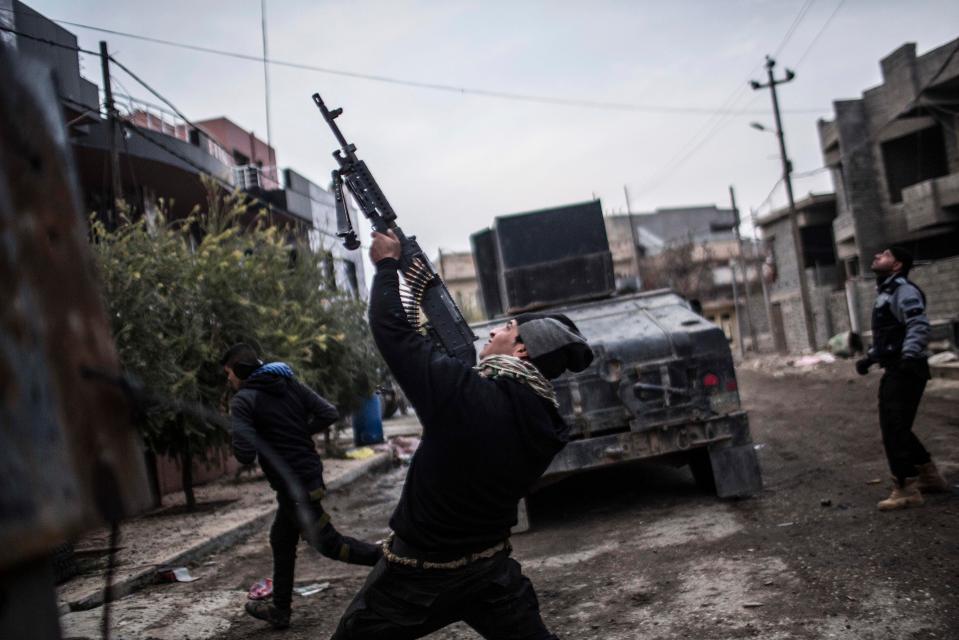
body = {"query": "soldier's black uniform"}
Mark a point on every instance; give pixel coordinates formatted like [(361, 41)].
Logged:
[(485, 442), (900, 331)]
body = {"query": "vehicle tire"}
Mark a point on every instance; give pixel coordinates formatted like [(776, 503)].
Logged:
[(702, 468)]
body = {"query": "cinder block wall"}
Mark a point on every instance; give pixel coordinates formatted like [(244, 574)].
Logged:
[(940, 282)]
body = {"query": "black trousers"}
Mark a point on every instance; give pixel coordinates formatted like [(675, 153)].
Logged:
[(285, 535), (399, 602), (900, 391)]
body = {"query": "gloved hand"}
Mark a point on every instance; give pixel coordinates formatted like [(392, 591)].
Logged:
[(862, 365), (915, 366)]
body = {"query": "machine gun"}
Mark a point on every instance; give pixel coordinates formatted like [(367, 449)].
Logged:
[(425, 289)]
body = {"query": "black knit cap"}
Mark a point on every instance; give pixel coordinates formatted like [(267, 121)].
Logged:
[(554, 343), (903, 255)]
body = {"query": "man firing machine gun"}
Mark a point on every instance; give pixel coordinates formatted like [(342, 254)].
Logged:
[(489, 432)]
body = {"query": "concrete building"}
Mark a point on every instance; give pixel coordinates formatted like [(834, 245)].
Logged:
[(459, 273), (161, 155), (254, 161), (694, 251), (894, 158), (816, 214)]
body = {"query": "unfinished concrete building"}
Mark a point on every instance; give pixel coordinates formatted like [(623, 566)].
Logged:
[(815, 216), (894, 156)]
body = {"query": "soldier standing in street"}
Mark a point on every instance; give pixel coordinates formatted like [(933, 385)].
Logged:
[(900, 334), (272, 406), (489, 432)]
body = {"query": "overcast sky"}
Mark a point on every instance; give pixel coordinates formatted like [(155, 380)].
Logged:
[(451, 161)]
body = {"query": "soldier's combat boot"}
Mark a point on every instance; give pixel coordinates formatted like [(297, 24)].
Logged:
[(904, 494), (930, 480), (263, 610)]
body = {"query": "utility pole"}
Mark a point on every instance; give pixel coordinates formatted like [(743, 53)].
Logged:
[(632, 231), (116, 185), (793, 214), (742, 267), (266, 91), (736, 306)]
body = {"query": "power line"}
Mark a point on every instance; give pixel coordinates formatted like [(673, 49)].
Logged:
[(52, 43), (129, 126), (719, 119), (915, 102), (811, 172), (792, 28), (153, 91), (768, 195), (133, 128), (820, 32), (463, 90)]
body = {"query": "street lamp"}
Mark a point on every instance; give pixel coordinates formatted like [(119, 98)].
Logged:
[(758, 126)]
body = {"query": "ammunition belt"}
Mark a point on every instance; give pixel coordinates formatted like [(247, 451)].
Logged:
[(456, 563)]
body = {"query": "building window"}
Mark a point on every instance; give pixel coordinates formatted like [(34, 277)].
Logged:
[(912, 159), (817, 245)]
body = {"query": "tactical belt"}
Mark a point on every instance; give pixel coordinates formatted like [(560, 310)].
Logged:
[(393, 546)]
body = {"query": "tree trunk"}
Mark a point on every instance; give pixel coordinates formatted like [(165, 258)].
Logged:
[(186, 477), (156, 498)]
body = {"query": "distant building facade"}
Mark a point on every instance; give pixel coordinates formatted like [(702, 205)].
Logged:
[(815, 216), (894, 159), (694, 251), (459, 273), (160, 155)]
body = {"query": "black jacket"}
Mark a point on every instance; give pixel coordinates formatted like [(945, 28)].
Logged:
[(900, 328), (485, 441), (285, 414)]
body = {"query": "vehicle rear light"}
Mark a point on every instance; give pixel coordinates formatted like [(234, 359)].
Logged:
[(732, 386), (710, 380)]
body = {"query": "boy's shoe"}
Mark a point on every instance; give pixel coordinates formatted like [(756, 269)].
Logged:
[(263, 610)]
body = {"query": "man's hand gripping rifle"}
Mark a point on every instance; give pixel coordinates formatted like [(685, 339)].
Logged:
[(445, 323)]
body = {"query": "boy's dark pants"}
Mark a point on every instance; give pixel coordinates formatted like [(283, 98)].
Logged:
[(285, 535)]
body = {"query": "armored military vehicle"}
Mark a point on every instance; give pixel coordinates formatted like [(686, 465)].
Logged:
[(662, 383)]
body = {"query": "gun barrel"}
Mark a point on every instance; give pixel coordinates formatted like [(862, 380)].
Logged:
[(330, 116)]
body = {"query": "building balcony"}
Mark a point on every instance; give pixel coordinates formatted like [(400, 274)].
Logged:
[(932, 203), (844, 228)]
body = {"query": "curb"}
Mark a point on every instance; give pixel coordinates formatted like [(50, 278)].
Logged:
[(946, 371), (228, 538)]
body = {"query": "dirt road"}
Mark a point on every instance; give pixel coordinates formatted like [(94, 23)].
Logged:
[(639, 552)]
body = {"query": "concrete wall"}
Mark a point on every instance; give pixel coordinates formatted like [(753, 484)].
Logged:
[(459, 273), (220, 464), (940, 282)]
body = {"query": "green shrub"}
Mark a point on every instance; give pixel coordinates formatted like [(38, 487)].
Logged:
[(181, 291)]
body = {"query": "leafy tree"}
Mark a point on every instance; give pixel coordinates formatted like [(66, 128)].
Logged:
[(181, 291)]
